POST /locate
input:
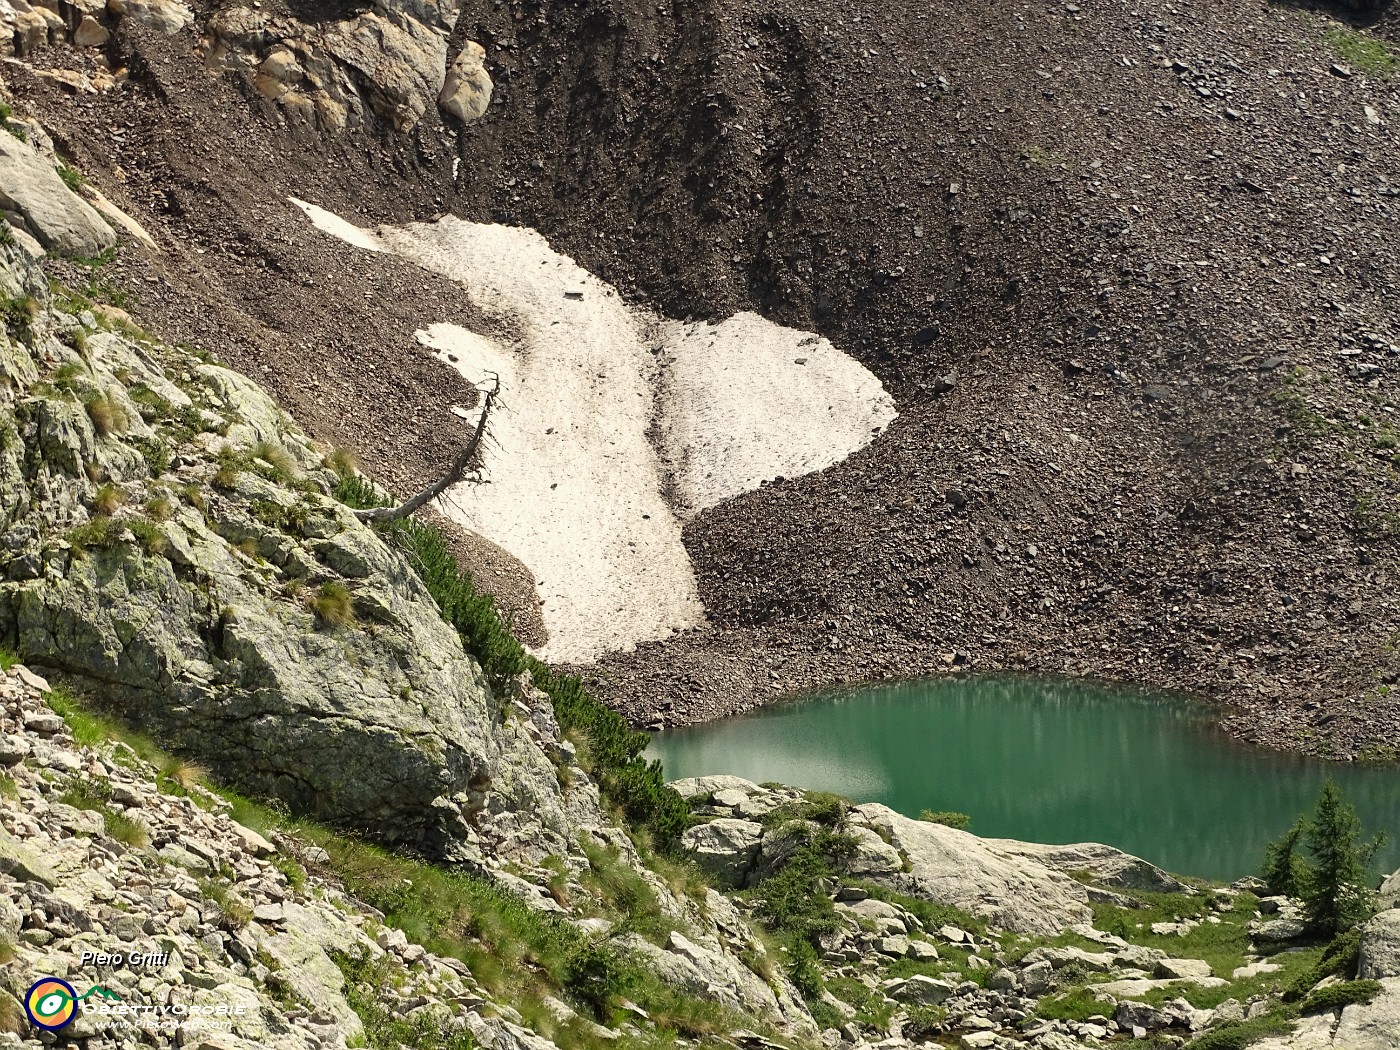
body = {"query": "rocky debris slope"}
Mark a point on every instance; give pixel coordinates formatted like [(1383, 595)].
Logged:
[(101, 852), (95, 857)]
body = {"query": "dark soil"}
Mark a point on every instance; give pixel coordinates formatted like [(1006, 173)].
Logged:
[(1129, 272)]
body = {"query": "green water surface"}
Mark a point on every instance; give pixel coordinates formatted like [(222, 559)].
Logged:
[(1043, 761)]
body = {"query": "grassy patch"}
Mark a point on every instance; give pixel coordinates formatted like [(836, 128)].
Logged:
[(384, 1030), (107, 416), (620, 890), (1078, 1005), (19, 312), (1365, 52), (274, 462), (108, 500), (88, 729), (71, 176)]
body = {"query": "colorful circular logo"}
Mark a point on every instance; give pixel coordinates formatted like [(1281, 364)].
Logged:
[(51, 1003)]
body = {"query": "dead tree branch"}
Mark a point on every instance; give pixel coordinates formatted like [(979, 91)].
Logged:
[(453, 475)]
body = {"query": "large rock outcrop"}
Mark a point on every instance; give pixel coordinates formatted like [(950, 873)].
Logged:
[(1108, 866), (1000, 881), (168, 536), (958, 868), (386, 64)]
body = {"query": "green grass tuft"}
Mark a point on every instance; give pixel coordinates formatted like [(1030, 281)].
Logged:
[(333, 605)]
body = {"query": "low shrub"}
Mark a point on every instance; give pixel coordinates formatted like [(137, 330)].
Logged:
[(1237, 1035), (95, 533), (1336, 996), (946, 817)]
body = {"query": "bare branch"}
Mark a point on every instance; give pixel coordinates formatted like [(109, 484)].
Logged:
[(453, 475)]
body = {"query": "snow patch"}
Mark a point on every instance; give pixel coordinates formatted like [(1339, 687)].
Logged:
[(329, 222), (577, 489)]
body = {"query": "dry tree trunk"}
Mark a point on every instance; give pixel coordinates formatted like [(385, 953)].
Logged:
[(453, 475)]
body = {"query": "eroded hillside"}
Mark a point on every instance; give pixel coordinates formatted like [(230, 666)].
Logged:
[(1125, 271)]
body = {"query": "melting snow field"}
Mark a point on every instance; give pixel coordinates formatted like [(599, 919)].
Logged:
[(614, 424)]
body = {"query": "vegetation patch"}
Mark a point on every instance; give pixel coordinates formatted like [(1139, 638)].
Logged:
[(946, 817), (383, 1029), (1336, 996), (1365, 52), (333, 605), (1237, 1035), (1078, 1005)]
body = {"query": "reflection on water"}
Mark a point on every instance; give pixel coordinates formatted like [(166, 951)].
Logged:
[(1045, 761)]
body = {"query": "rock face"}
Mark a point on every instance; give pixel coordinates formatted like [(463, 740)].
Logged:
[(60, 220), (725, 848), (707, 971), (387, 63), (193, 620), (467, 90), (1109, 866), (954, 867), (937, 863)]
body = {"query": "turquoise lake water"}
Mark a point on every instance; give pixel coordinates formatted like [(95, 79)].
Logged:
[(1044, 761)]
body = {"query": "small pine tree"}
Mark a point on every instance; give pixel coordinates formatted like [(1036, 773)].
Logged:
[(1336, 885), (1282, 865)]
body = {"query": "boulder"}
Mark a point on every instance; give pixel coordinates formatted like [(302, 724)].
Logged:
[(704, 787), (726, 848), (1037, 978), (953, 867), (1380, 947), (402, 61), (1107, 865), (921, 990), (90, 33), (1127, 989), (872, 856), (1095, 962), (1389, 894), (61, 220), (1132, 1014), (706, 971), (1277, 931), (1179, 969), (466, 90)]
